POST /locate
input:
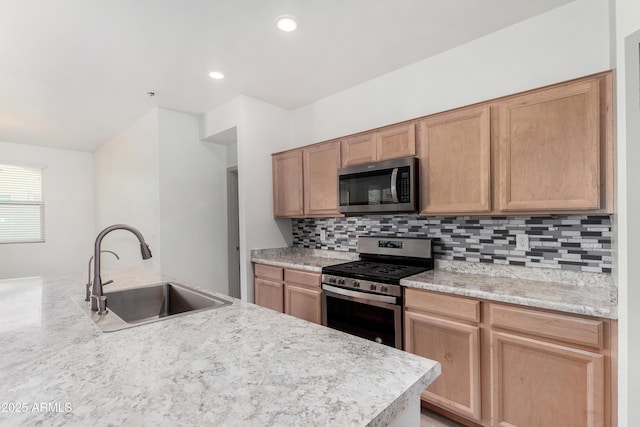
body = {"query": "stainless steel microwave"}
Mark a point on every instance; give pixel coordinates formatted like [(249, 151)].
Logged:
[(381, 187)]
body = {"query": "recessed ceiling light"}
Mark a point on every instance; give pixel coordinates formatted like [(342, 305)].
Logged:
[(286, 23), (217, 75)]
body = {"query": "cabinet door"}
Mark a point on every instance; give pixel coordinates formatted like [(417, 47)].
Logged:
[(455, 162), (358, 149), (303, 302), (457, 347), (269, 294), (321, 163), (549, 149), (287, 184), (396, 141), (535, 383)]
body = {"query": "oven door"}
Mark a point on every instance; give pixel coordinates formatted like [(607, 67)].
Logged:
[(373, 317)]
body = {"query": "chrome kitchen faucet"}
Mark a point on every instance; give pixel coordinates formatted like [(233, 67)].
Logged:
[(98, 300)]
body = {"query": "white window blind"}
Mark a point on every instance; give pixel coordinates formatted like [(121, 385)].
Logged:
[(21, 204)]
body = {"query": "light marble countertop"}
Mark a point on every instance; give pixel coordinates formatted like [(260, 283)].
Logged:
[(598, 301), (592, 294), (238, 365), (301, 259)]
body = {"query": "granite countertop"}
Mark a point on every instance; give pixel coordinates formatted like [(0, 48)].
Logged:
[(592, 294), (598, 301), (301, 259), (237, 365)]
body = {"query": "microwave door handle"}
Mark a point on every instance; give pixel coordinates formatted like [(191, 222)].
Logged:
[(394, 189)]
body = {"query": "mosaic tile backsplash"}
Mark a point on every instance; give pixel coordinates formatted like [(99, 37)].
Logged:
[(581, 243)]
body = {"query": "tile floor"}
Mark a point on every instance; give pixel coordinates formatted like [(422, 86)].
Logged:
[(429, 419)]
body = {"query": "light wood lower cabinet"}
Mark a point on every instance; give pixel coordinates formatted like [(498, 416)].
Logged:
[(294, 292), (268, 286), (506, 365), (303, 302), (536, 383), (269, 294), (457, 347)]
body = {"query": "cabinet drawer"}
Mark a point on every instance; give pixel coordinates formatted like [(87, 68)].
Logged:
[(302, 277), (557, 326), (457, 307), (268, 272)]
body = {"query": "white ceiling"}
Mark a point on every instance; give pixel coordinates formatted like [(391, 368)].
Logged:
[(73, 73)]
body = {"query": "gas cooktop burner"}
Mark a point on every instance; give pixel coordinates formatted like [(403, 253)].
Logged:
[(379, 271)]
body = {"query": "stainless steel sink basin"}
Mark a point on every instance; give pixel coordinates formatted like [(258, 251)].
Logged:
[(151, 303)]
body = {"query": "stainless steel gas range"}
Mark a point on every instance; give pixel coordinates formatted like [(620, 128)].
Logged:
[(364, 297)]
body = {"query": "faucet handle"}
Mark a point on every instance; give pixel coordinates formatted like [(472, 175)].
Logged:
[(107, 282)]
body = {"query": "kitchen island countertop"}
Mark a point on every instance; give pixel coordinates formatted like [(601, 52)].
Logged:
[(237, 365)]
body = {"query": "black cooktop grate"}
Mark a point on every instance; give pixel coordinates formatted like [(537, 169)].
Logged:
[(375, 271)]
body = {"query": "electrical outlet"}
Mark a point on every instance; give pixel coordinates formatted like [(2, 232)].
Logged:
[(323, 235), (522, 242)]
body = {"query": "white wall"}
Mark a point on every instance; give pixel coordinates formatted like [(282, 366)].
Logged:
[(221, 119), (567, 42), (69, 226), (264, 131), (126, 170), (193, 200), (261, 129), (626, 226), (232, 154)]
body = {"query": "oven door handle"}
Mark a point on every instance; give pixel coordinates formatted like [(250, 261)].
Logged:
[(360, 295)]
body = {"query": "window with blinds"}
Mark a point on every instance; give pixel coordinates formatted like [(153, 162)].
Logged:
[(21, 204)]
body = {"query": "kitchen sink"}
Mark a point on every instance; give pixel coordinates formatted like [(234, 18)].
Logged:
[(150, 303)]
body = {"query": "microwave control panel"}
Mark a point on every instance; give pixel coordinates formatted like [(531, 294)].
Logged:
[(404, 195)]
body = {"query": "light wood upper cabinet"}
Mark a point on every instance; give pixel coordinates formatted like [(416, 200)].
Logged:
[(321, 163), (396, 141), (536, 383), (548, 150), (392, 142), (549, 144), (287, 184), (455, 162), (359, 149)]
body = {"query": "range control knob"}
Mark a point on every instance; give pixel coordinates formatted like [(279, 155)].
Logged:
[(332, 280), (372, 287), (355, 284), (340, 281), (383, 288)]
